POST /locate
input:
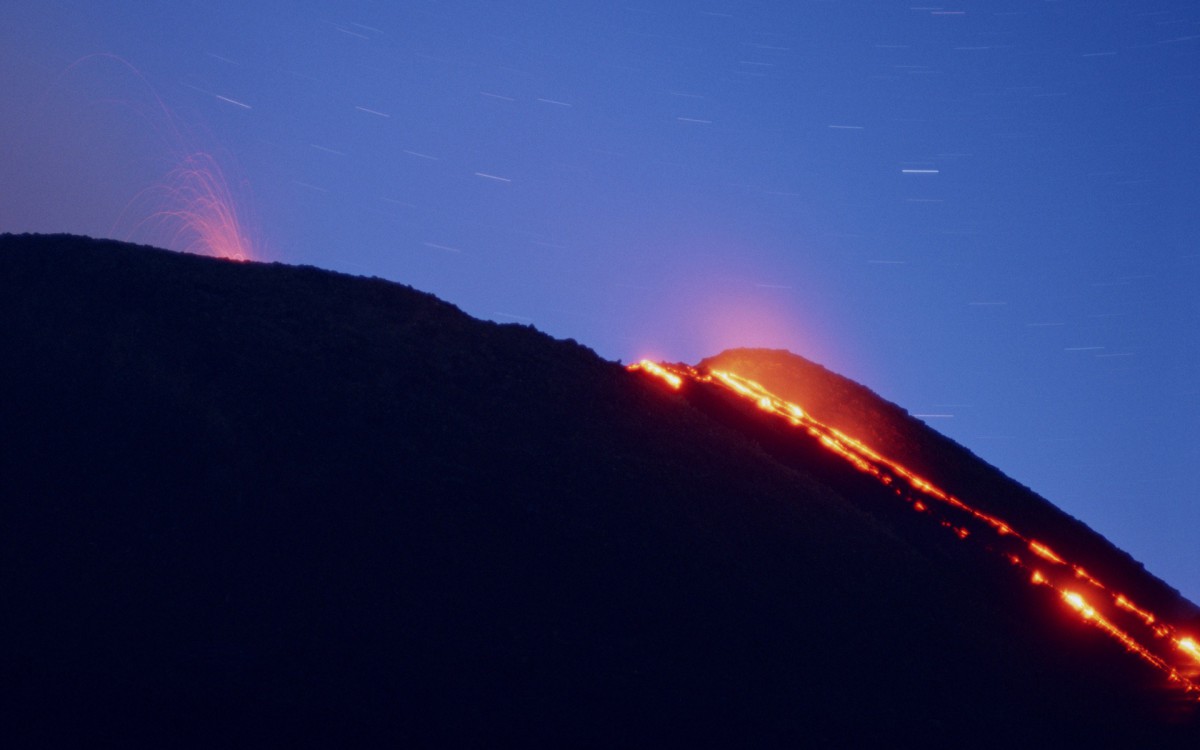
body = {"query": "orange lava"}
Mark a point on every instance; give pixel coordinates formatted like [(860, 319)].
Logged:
[(1189, 646), (1045, 553), (669, 378), (1156, 643)]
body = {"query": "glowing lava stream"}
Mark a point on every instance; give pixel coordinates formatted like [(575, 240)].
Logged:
[(1160, 645)]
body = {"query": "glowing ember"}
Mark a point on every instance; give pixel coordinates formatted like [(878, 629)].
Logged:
[(1129, 606), (1188, 646), (1102, 608), (1081, 573), (669, 378), (1076, 601), (1045, 552)]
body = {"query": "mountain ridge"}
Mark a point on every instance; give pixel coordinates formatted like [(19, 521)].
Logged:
[(259, 502)]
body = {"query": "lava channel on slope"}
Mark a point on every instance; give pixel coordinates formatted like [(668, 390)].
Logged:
[(1160, 644)]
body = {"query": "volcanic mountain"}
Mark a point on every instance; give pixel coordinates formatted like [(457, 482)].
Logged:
[(252, 503)]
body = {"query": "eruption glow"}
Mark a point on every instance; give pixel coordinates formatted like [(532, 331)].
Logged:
[(1140, 632), (193, 211), (194, 207)]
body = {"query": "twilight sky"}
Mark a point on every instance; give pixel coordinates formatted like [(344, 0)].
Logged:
[(984, 211)]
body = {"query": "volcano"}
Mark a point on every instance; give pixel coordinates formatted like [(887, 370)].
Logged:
[(250, 503)]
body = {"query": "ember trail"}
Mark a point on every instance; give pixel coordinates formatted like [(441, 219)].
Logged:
[(1142, 633), (197, 206)]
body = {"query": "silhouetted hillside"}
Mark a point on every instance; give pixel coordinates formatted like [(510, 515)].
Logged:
[(857, 411), (262, 504)]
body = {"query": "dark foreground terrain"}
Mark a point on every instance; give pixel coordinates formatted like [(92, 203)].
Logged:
[(257, 504)]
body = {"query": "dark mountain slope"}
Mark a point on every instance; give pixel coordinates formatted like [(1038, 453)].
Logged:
[(850, 407), (254, 504)]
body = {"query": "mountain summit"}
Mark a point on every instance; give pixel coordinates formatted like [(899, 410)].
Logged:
[(254, 503)]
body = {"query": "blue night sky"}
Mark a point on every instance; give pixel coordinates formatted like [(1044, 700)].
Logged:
[(984, 211)]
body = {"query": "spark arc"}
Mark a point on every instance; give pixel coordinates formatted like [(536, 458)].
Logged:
[(1161, 645), (196, 207)]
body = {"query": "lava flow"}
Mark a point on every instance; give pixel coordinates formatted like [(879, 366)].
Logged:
[(1161, 645)]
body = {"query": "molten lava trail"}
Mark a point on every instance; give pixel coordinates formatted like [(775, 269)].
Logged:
[(1142, 633)]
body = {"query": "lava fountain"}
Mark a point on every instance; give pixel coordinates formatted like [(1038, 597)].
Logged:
[(192, 211), (193, 205)]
